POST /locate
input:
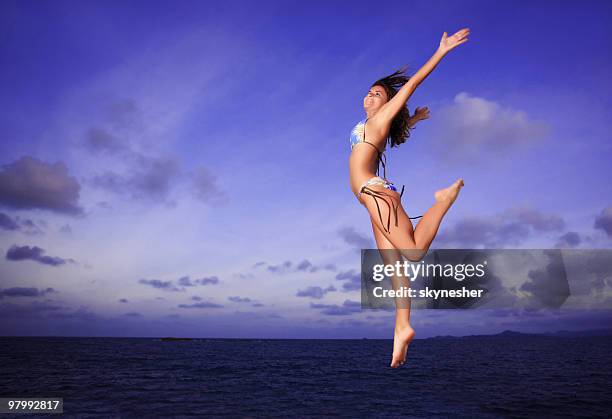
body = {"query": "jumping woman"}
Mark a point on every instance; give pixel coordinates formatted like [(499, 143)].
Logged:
[(388, 121)]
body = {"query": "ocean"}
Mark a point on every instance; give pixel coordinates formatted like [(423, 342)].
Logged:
[(474, 377)]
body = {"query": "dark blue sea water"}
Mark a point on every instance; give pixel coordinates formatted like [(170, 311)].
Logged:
[(496, 376)]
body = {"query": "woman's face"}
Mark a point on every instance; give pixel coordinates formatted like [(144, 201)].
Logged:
[(375, 99)]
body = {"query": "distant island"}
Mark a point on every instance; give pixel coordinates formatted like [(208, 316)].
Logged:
[(504, 334), (559, 333), (174, 339)]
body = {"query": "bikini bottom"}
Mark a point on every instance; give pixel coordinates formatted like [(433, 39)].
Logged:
[(378, 195)]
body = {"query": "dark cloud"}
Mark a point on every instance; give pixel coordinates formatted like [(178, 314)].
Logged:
[(536, 219), (307, 266), (508, 228), (240, 299), (159, 284), (30, 227), (481, 231), (351, 237), (30, 183), (17, 253), (289, 266), (207, 280), (7, 223), (236, 299), (196, 298), (347, 308), (205, 187), (202, 304), (25, 292), (282, 268), (182, 282), (352, 280), (150, 179), (123, 300), (26, 226), (99, 140), (549, 285), (111, 136), (185, 282), (604, 221), (568, 240), (315, 292)]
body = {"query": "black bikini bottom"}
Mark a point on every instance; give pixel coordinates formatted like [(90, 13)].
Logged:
[(390, 203)]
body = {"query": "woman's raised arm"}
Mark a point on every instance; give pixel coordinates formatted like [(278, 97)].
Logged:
[(392, 107)]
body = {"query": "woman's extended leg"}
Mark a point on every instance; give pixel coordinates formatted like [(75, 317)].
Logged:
[(404, 333), (412, 244)]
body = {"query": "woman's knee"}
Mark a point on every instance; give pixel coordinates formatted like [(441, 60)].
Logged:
[(414, 254), (408, 250)]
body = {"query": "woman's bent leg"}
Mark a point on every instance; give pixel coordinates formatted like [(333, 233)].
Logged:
[(413, 244)]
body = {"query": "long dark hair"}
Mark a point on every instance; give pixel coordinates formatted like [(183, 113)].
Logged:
[(400, 126)]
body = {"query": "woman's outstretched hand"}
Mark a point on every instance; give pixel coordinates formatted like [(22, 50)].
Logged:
[(447, 43), (420, 114)]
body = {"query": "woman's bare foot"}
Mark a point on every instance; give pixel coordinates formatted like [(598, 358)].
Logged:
[(401, 339), (449, 194)]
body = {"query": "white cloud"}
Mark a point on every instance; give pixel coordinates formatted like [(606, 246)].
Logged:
[(473, 127)]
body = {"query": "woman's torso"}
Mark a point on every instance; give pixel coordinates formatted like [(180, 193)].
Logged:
[(363, 161)]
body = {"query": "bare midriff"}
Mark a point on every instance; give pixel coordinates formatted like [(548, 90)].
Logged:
[(363, 163)]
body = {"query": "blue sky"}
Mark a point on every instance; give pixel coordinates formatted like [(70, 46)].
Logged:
[(181, 168)]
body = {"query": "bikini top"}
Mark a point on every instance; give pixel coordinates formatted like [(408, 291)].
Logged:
[(358, 136)]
